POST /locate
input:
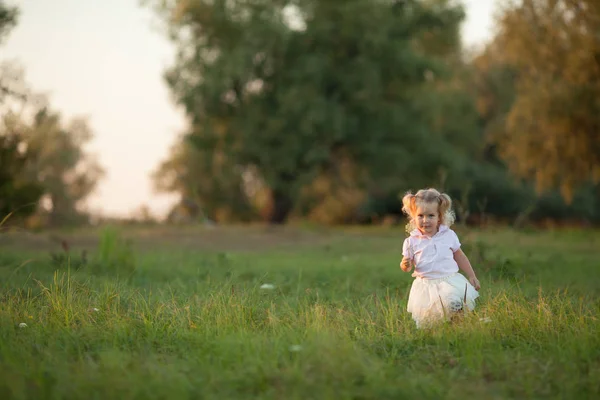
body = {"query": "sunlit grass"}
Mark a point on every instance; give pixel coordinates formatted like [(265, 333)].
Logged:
[(329, 322)]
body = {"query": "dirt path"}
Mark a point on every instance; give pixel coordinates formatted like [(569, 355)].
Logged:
[(239, 238)]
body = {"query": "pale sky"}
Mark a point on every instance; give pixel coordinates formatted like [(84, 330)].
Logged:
[(103, 59)]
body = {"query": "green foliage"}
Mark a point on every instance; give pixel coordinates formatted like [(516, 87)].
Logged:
[(208, 190), (18, 195), (115, 256), (486, 188), (67, 172), (8, 20), (45, 158), (288, 98), (195, 324), (490, 189), (584, 206), (550, 134)]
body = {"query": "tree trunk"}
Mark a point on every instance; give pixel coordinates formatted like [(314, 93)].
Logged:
[(281, 206)]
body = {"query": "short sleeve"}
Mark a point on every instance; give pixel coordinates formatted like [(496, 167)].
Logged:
[(454, 242), (407, 249)]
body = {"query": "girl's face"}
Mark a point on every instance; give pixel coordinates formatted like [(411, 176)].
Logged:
[(428, 218)]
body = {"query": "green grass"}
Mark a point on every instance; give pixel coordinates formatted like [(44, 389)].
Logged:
[(177, 321)]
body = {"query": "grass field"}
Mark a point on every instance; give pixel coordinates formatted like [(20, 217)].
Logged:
[(180, 314)]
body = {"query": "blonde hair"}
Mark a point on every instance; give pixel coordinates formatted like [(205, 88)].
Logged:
[(410, 202)]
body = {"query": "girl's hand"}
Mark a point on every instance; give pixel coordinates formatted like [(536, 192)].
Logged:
[(475, 282), (406, 265)]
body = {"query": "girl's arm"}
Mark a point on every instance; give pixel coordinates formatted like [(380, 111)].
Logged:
[(407, 254), (465, 266)]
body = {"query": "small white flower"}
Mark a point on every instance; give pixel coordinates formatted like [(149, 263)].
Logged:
[(94, 309), (267, 286), (295, 348), (22, 325), (485, 320)]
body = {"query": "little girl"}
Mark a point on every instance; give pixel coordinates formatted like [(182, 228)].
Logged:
[(439, 290)]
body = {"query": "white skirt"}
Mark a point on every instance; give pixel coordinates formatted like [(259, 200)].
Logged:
[(434, 300)]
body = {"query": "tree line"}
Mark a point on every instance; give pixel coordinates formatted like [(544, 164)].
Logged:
[(330, 110)]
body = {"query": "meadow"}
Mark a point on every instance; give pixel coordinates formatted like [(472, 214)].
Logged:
[(290, 313)]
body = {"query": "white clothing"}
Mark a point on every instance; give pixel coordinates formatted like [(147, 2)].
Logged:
[(433, 300), (433, 256), (439, 289)]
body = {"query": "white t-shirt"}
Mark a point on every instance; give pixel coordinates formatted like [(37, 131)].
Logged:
[(433, 256)]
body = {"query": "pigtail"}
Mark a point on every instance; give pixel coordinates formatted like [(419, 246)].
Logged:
[(445, 207), (444, 202), (409, 206)]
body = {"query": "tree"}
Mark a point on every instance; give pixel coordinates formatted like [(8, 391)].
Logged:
[(65, 170), (8, 19), (552, 130), (40, 157), (493, 82), (285, 87), (208, 186), (18, 195)]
